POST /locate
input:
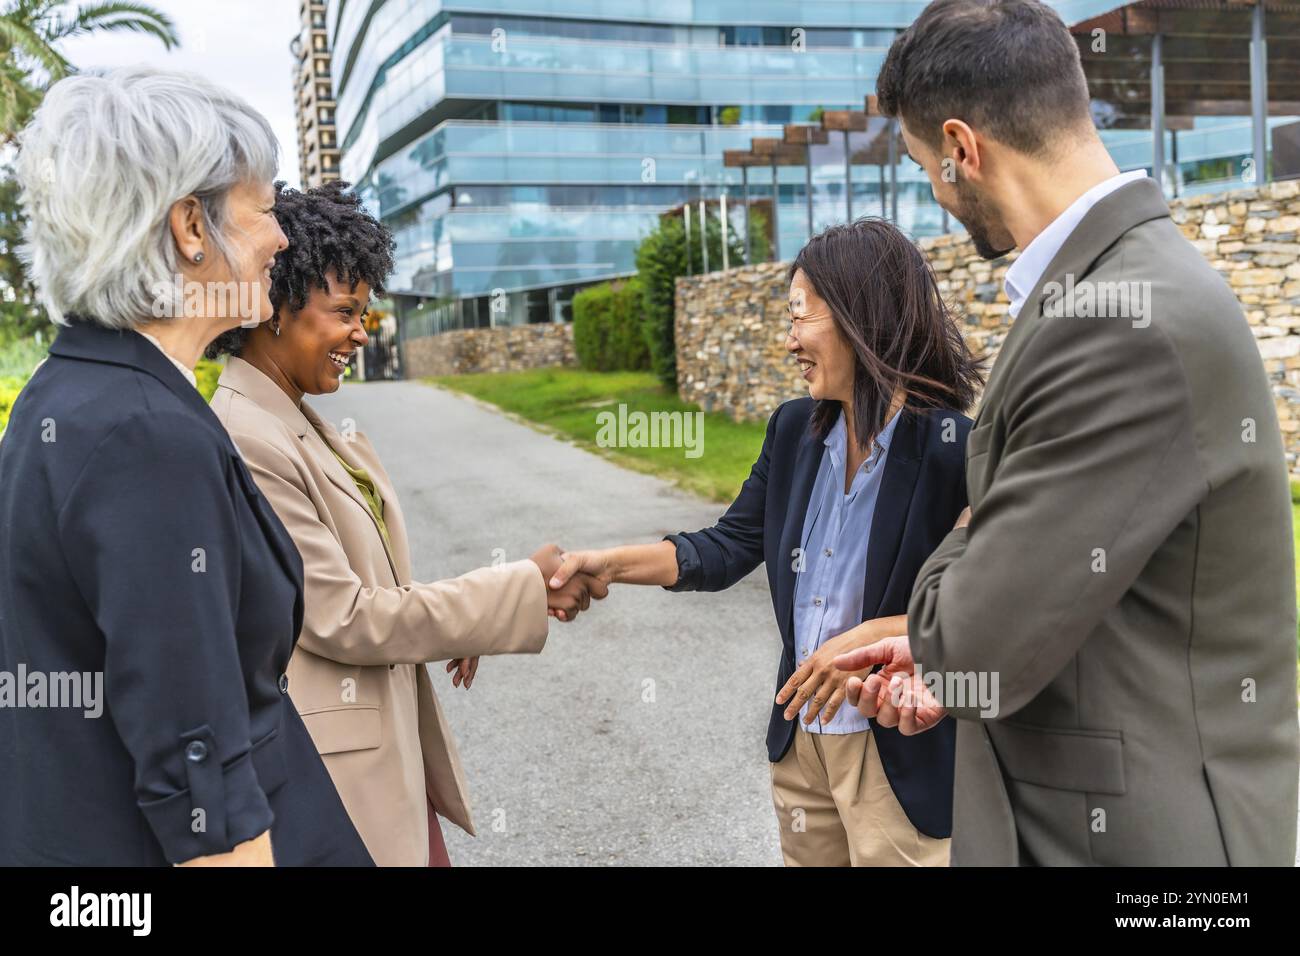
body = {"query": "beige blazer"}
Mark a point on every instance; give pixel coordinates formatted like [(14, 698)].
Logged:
[(357, 675)]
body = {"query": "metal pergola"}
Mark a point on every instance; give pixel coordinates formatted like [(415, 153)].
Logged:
[(794, 148), (1150, 64), (1154, 64)]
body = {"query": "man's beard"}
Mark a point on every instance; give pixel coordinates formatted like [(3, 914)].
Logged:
[(980, 223)]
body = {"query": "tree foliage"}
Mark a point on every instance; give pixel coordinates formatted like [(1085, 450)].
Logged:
[(30, 33), (663, 256)]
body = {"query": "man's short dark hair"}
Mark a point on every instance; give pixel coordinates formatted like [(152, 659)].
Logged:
[(1008, 68)]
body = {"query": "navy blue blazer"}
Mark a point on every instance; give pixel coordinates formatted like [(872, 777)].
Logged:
[(922, 492), (135, 545)]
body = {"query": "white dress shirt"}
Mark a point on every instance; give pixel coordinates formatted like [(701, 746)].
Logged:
[(1023, 274), (181, 366)]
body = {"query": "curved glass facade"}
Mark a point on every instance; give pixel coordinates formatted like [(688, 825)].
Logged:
[(520, 149), (531, 68), (530, 144)]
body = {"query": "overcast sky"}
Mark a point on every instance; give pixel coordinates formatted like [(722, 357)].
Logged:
[(241, 44)]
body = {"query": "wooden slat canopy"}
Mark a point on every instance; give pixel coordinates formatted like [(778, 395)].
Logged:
[(1206, 55)]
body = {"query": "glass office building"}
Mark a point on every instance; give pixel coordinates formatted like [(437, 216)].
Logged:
[(520, 149)]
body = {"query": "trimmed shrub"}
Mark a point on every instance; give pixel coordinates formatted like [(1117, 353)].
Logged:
[(9, 389), (607, 333)]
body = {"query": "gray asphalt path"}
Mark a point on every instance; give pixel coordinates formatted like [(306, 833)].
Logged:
[(637, 735)]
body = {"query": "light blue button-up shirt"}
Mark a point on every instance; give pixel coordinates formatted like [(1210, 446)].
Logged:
[(836, 531)]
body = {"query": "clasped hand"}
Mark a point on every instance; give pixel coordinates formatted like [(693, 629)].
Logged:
[(895, 695), (818, 683), (563, 601), (567, 598), (841, 670)]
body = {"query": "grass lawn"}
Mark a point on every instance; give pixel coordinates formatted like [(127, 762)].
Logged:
[(1295, 527), (567, 402)]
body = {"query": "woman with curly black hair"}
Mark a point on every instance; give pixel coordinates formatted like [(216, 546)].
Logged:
[(358, 675)]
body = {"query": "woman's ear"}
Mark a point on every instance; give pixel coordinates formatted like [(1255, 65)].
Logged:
[(188, 230)]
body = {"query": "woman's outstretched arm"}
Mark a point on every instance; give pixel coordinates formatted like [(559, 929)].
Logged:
[(707, 560), (626, 564)]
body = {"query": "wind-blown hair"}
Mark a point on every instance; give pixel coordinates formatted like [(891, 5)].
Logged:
[(99, 167), (884, 299)]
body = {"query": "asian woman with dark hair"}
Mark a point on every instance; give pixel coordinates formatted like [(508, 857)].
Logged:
[(853, 489)]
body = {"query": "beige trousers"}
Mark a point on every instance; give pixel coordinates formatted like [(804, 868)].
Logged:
[(835, 807)]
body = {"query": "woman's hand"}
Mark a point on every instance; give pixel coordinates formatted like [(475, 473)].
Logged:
[(462, 670), (597, 564), (254, 852), (823, 685), (627, 564), (574, 593)]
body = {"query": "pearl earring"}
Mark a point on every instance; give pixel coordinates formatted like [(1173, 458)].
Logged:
[(198, 257)]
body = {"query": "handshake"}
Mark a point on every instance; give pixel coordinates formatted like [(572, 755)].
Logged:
[(571, 580), (569, 590)]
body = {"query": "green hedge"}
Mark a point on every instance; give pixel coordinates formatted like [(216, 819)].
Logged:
[(206, 372), (607, 333), (18, 357), (9, 388)]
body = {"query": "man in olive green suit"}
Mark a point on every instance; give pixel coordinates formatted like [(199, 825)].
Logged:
[(1125, 584)]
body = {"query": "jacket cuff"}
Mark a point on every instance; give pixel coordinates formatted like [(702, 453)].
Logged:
[(690, 571), (222, 807), (533, 600)]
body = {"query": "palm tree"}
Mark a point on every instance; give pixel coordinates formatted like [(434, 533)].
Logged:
[(30, 31)]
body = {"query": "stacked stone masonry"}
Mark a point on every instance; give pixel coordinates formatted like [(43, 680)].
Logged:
[(509, 348), (731, 326)]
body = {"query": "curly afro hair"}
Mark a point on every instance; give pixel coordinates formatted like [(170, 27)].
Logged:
[(328, 229)]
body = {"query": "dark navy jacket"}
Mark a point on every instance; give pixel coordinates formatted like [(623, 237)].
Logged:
[(922, 492), (134, 544)]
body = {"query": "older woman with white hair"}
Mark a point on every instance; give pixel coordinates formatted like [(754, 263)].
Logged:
[(149, 596)]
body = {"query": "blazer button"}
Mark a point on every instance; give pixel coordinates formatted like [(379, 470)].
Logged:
[(284, 683), (196, 752)]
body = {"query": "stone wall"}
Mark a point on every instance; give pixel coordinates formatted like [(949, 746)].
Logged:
[(731, 326), (509, 348)]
